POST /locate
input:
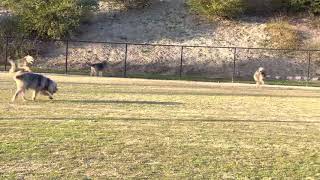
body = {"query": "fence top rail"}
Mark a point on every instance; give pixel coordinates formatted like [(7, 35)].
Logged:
[(177, 45)]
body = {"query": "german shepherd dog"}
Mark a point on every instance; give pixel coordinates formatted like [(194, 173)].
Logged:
[(36, 82), (259, 76), (21, 64), (98, 68)]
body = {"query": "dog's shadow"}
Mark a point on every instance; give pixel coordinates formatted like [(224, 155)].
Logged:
[(118, 102)]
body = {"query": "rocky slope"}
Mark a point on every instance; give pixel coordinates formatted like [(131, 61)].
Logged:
[(170, 22)]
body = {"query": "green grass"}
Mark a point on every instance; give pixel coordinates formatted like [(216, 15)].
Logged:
[(134, 128), (204, 78), (201, 78)]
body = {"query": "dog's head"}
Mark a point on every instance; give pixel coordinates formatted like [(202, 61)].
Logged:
[(53, 87), (29, 59), (262, 71)]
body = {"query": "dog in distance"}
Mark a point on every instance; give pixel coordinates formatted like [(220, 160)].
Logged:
[(259, 76), (98, 68), (21, 64), (36, 82)]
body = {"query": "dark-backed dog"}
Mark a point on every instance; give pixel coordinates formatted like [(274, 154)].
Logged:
[(21, 64), (98, 68), (259, 76), (36, 82)]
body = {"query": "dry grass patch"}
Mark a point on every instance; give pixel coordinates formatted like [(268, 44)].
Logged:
[(314, 45), (282, 35), (315, 22)]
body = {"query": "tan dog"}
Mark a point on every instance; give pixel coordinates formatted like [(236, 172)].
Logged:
[(36, 82), (259, 76), (21, 64)]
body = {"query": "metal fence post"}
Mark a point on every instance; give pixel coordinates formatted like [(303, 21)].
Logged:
[(234, 63), (6, 54), (125, 61), (181, 62), (309, 65), (67, 54)]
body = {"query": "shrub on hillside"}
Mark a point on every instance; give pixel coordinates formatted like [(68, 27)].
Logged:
[(313, 6), (132, 4), (234, 8), (266, 6), (315, 22), (222, 8), (18, 46), (9, 27), (51, 18), (282, 35)]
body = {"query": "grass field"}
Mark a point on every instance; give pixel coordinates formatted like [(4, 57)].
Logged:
[(134, 128)]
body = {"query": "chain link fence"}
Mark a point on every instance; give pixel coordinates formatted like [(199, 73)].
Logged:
[(165, 61)]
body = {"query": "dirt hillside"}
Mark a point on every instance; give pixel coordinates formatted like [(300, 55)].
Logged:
[(171, 22)]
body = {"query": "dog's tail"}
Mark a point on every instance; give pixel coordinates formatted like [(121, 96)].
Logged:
[(13, 66)]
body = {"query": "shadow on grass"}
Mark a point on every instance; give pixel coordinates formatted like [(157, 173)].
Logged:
[(220, 94), (196, 78), (168, 120), (118, 102)]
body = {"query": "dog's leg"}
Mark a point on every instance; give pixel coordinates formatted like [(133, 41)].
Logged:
[(261, 82), (92, 71), (26, 68), (19, 91), (49, 94), (34, 96), (15, 95), (23, 96), (100, 73)]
